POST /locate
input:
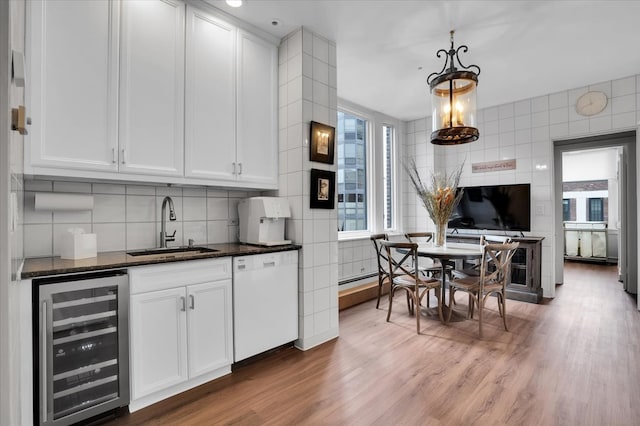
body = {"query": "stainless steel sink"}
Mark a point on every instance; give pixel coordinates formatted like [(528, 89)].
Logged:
[(172, 251)]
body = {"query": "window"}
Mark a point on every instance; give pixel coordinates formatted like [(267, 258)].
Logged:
[(566, 209), (388, 143), (352, 172), (595, 210), (368, 188)]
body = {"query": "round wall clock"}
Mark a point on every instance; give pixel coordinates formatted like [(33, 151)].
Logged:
[(591, 103)]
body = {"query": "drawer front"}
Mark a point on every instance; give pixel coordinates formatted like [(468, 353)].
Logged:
[(164, 276)]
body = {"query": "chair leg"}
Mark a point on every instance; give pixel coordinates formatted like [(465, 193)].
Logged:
[(452, 293), (391, 291), (410, 304), (471, 307), (501, 296), (379, 292), (439, 297), (417, 305), (480, 309)]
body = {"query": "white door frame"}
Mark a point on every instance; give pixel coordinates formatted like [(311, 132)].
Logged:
[(6, 408), (628, 141)]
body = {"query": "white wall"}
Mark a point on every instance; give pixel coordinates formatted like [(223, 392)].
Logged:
[(596, 164), (307, 92), (525, 130), (128, 216)]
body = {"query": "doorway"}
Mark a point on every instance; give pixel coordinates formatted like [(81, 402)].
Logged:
[(627, 256)]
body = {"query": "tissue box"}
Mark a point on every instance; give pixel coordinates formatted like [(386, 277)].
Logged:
[(77, 245)]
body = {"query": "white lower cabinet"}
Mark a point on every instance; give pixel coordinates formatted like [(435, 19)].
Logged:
[(181, 327)]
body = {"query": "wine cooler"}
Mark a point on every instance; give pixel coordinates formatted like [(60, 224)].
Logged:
[(81, 335)]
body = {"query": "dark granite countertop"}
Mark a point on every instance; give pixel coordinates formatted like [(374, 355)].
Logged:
[(43, 266)]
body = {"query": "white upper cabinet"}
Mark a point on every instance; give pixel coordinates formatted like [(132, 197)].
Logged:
[(73, 62), (257, 146), (152, 87), (210, 97), (150, 90)]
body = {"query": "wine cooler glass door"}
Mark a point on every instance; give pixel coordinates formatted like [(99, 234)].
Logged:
[(81, 349)]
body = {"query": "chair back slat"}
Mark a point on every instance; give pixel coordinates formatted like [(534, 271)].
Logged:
[(493, 239), (381, 252), (419, 237), (397, 267), (496, 263)]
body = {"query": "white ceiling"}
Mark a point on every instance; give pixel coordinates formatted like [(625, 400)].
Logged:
[(524, 48)]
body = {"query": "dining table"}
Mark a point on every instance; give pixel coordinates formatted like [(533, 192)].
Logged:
[(448, 253)]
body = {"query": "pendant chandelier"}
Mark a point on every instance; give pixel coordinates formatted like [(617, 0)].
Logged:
[(453, 100)]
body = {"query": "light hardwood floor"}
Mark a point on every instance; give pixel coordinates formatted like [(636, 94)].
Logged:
[(573, 360)]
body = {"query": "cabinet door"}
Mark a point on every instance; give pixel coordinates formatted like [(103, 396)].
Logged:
[(152, 87), (257, 150), (210, 326), (210, 97), (158, 341), (73, 58)]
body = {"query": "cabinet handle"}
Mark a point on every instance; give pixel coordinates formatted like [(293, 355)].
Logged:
[(183, 304), (234, 168), (114, 160), (269, 263), (43, 374), (240, 166), (193, 301), (124, 156)]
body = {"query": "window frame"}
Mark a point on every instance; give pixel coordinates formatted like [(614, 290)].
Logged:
[(599, 200), (566, 201), (375, 178)]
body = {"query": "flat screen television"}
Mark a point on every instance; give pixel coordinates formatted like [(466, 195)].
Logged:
[(496, 207)]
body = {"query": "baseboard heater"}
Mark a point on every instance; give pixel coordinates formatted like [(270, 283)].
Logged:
[(358, 278)]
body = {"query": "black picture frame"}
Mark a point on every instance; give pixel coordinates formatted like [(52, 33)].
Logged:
[(322, 189), (322, 141)]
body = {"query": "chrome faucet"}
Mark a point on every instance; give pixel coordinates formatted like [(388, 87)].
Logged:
[(164, 238)]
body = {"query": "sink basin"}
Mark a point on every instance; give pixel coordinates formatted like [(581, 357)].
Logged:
[(171, 251)]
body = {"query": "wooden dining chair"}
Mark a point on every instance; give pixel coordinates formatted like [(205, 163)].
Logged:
[(495, 274), (381, 257), (409, 279), (473, 270), (432, 268)]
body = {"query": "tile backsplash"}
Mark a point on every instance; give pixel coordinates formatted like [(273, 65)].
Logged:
[(127, 216)]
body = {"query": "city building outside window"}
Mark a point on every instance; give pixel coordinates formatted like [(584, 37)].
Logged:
[(352, 135), (388, 142)]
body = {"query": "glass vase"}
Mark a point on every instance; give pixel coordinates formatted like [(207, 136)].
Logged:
[(441, 234)]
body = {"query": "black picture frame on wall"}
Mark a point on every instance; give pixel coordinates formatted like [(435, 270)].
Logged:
[(322, 139), (322, 189)]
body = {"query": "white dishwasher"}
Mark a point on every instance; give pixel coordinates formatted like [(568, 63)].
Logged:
[(265, 302)]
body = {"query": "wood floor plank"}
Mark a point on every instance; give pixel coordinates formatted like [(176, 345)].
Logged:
[(573, 360)]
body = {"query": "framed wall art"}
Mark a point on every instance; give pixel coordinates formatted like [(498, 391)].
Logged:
[(322, 140), (323, 189)]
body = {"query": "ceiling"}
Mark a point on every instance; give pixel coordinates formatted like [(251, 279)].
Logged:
[(386, 48)]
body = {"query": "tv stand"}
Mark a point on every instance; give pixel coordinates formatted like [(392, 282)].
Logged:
[(526, 266)]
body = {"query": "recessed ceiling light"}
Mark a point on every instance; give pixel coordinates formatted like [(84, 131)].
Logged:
[(275, 22), (234, 3)]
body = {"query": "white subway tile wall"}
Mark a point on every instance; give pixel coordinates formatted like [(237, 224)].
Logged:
[(307, 89), (127, 217)]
